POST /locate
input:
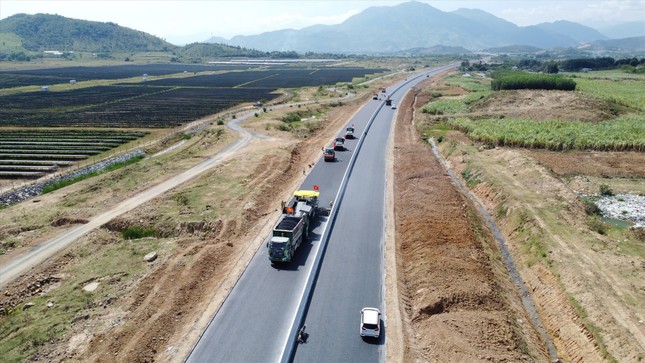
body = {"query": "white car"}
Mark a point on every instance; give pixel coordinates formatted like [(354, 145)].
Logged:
[(394, 107), (370, 323)]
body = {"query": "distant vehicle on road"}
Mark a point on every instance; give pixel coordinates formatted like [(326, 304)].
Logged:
[(370, 323), (339, 143), (394, 107), (349, 133), (330, 154)]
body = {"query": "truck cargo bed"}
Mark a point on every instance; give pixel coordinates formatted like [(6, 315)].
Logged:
[(288, 223)]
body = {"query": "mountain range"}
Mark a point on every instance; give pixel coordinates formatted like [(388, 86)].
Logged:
[(390, 29), (411, 28)]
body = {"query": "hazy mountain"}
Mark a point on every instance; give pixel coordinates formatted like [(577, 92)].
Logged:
[(578, 32), (633, 44), (625, 30), (54, 32), (437, 50), (383, 29), (514, 49)]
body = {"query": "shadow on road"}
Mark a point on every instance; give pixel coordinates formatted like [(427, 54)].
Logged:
[(381, 338)]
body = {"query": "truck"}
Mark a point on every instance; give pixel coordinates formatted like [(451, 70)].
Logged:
[(388, 102), (293, 226)]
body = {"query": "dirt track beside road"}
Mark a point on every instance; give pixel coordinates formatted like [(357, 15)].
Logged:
[(457, 301)]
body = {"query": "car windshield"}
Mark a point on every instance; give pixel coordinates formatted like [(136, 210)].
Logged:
[(340, 139), (329, 151)]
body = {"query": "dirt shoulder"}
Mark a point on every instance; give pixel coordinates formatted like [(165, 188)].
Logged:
[(455, 297)]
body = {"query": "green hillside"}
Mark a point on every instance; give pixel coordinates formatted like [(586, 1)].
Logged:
[(42, 32)]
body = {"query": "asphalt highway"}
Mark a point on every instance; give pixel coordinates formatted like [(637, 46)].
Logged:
[(255, 321)]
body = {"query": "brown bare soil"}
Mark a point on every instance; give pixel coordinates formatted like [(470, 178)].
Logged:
[(456, 298), (545, 105)]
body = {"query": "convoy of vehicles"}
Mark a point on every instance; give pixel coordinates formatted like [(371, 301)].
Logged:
[(293, 226)]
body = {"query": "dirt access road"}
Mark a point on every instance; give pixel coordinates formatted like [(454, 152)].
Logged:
[(41, 252)]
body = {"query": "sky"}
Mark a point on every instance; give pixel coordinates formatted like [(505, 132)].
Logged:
[(188, 21)]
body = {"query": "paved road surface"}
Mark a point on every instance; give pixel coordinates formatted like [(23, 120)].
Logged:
[(254, 322), (352, 272)]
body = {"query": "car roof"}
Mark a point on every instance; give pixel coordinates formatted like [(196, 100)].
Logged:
[(370, 315)]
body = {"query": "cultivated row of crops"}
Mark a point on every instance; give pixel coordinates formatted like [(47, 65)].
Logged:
[(34, 153), (628, 92), (622, 134), (453, 106)]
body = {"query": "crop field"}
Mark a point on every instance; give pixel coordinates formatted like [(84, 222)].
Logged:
[(622, 134), (628, 92), (49, 76), (160, 103), (34, 153)]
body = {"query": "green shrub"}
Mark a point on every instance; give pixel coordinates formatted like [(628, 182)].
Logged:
[(596, 224), (522, 80), (605, 190), (133, 232)]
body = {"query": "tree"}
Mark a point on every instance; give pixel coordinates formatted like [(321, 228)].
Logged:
[(552, 68)]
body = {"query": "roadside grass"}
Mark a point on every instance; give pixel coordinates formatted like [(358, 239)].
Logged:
[(436, 130), (207, 198), (471, 84), (24, 332), (61, 184)]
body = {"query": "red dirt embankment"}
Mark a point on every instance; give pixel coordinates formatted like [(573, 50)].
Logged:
[(456, 298)]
